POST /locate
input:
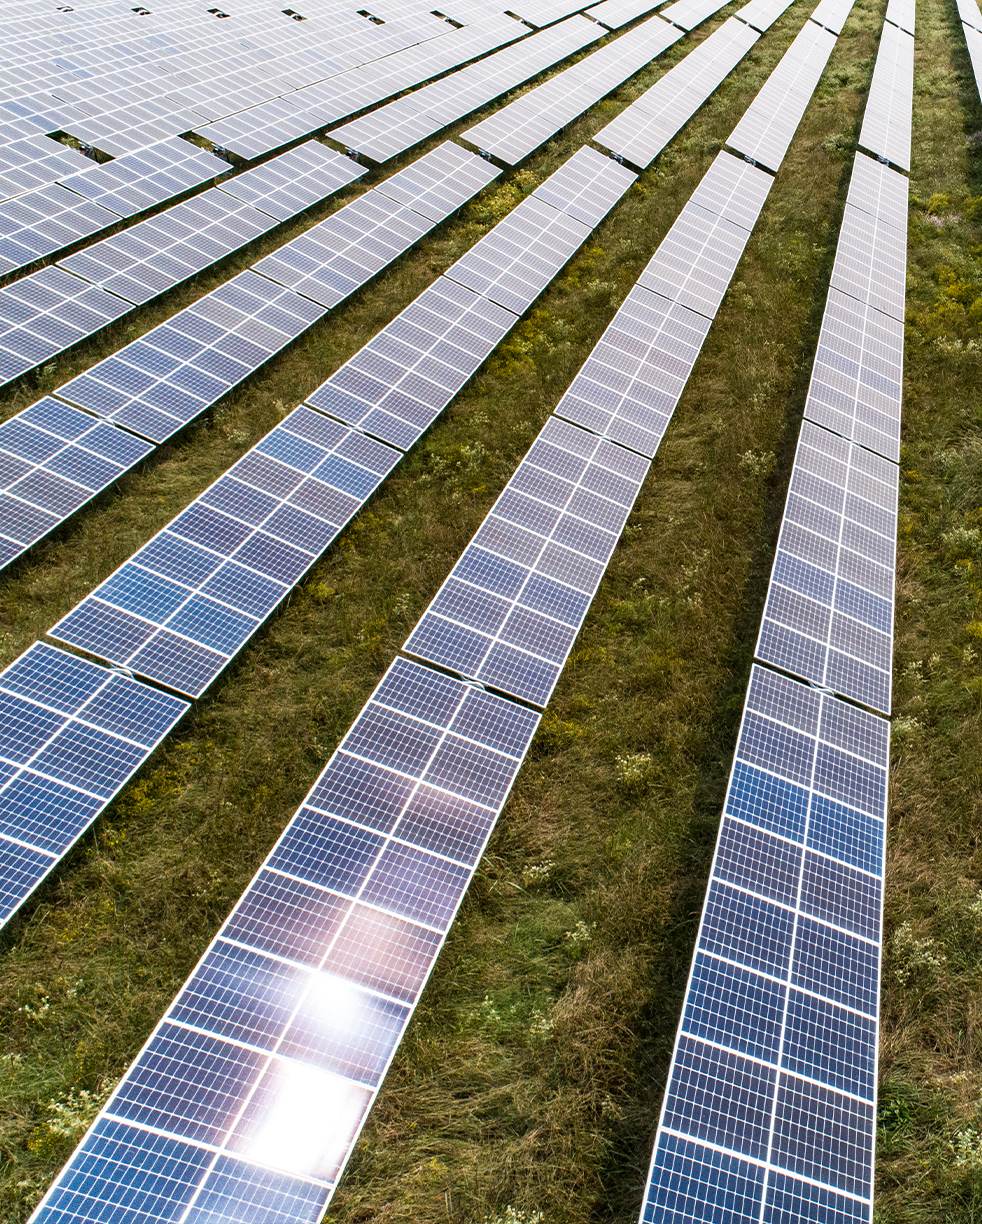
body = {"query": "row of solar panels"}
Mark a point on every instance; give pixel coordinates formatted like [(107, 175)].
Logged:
[(189, 599), (45, 313), (972, 28), (157, 384), (769, 1111), (168, 80), (297, 1007)]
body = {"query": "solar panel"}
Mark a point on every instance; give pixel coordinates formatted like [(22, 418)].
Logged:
[(871, 262), (887, 119), (878, 190), (968, 12), (687, 14), (762, 14), (769, 1111), (396, 386), (901, 13), (183, 606), (71, 734), (288, 1024), (616, 13), (769, 123), (399, 125), (832, 14), (698, 256), (511, 608), (158, 383), (54, 459), (829, 614), (640, 132), (521, 126), (973, 40)]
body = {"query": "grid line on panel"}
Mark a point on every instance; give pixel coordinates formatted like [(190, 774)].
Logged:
[(306, 990), (762, 14), (887, 119)]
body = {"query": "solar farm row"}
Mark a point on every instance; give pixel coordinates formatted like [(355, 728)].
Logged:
[(971, 21), (299, 1004), (155, 385), (770, 1107)]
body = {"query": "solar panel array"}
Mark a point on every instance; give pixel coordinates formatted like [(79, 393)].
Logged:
[(156, 384), (969, 15), (514, 131), (770, 1107), (157, 254), (38, 223), (296, 1009), (393, 128), (886, 122), (641, 131), (71, 735), (29, 160), (766, 129)]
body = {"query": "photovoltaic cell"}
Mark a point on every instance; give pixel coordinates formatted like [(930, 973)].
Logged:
[(54, 459), (770, 1098), (640, 132), (514, 131), (832, 14), (886, 121), (829, 613), (901, 13), (871, 262), (511, 608), (616, 13), (968, 12), (250, 1094), (188, 601), (71, 734), (771, 120)]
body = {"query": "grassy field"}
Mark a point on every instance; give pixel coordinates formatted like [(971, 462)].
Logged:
[(531, 1076)]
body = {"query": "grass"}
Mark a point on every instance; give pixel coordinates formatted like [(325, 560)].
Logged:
[(531, 1076)]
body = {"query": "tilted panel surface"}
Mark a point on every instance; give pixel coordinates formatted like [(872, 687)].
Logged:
[(969, 13), (771, 120), (689, 13), (769, 1112), (640, 132), (829, 612), (832, 14), (398, 126), (871, 262), (973, 39), (53, 459), (188, 601), (248, 1097), (901, 13), (521, 126), (616, 13), (887, 118), (71, 734), (510, 610), (762, 14)]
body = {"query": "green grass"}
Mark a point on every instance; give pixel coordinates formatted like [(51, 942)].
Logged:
[(532, 1073)]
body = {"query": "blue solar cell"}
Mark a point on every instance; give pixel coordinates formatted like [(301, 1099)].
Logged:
[(148, 595), (734, 1007), (173, 557), (837, 965), (790, 1201), (771, 803), (822, 1135), (152, 1176), (212, 624), (44, 813), (747, 929), (325, 851), (826, 1043), (235, 1189), (245, 589), (757, 861), (846, 834), (361, 791), (355, 1041), (692, 1184), (22, 868), (90, 759)]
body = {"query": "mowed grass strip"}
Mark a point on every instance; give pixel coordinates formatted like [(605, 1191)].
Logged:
[(532, 1073)]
